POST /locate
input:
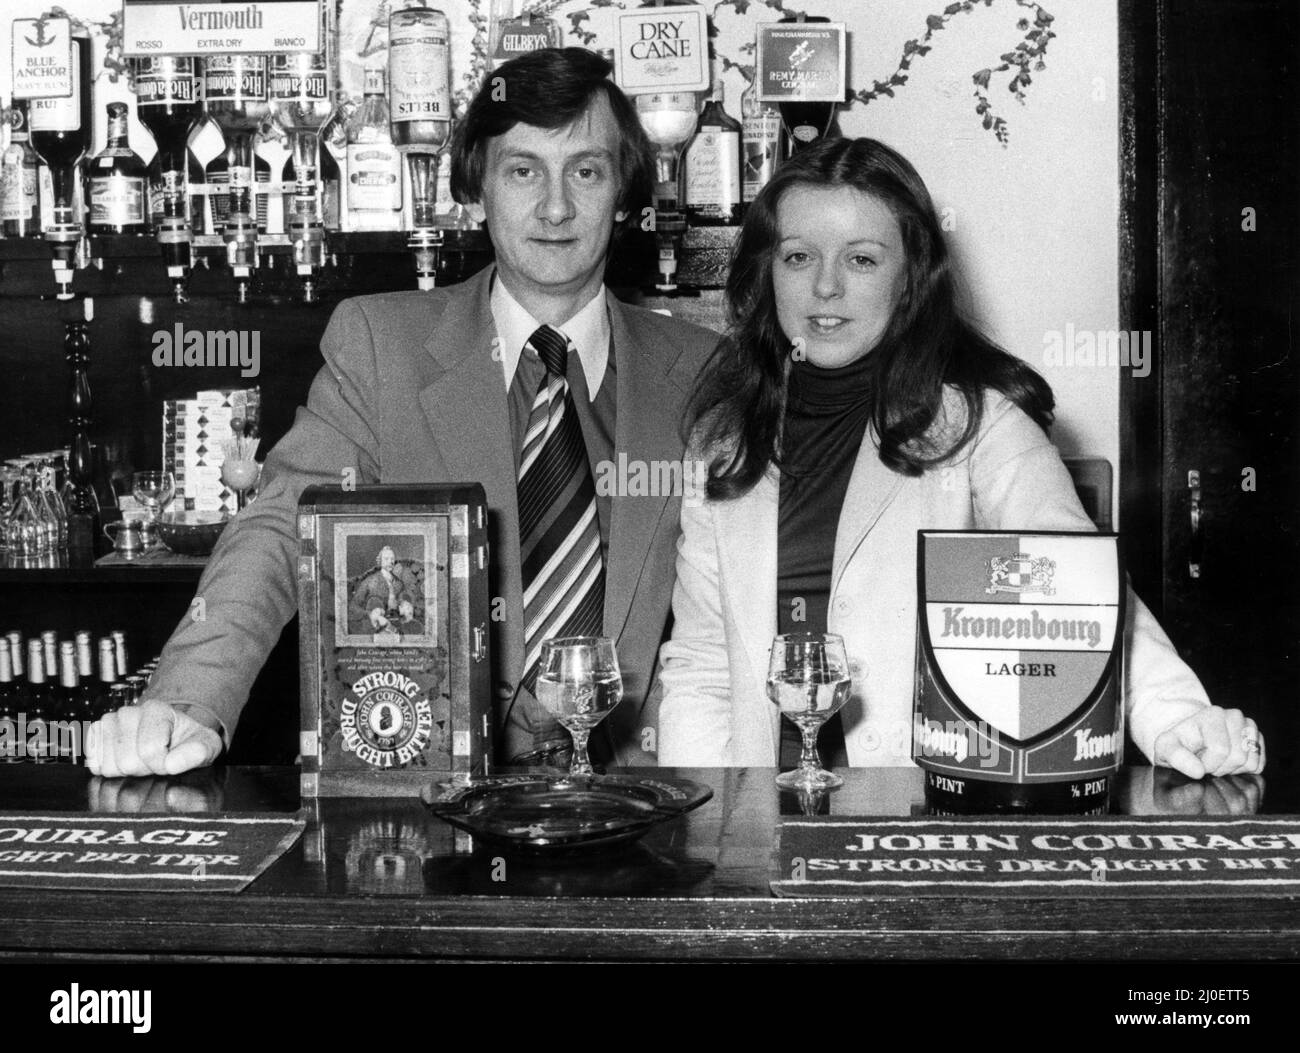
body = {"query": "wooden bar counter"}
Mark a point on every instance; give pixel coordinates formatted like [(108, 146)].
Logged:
[(382, 879)]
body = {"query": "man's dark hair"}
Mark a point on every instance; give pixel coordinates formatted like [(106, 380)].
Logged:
[(549, 88)]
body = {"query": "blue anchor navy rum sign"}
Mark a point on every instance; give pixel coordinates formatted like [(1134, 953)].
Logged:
[(1019, 669)]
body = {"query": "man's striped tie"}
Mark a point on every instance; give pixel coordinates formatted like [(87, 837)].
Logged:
[(559, 535)]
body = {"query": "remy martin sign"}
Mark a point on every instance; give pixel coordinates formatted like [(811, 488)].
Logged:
[(1018, 659), (42, 58), (844, 856), (801, 62), (663, 49), (185, 27)]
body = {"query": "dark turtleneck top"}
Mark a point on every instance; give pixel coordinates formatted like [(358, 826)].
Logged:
[(826, 417)]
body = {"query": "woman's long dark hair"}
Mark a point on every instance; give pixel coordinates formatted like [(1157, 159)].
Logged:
[(739, 402)]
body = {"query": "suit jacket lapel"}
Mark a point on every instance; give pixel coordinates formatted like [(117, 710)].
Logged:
[(466, 406), (647, 387), (872, 488)]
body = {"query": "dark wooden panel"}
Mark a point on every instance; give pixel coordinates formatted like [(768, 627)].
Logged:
[(1229, 94)]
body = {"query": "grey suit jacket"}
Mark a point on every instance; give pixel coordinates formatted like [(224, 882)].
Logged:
[(411, 393)]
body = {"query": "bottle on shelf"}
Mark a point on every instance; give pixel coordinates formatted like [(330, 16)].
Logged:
[(806, 122), (50, 651), (67, 705), (20, 214), (168, 94), (9, 692), (119, 652), (15, 640), (87, 692), (136, 685), (118, 178), (419, 85), (303, 103), (711, 163), (37, 702), (235, 95), (107, 676), (119, 697), (60, 135), (668, 118), (81, 505), (762, 142), (374, 195)]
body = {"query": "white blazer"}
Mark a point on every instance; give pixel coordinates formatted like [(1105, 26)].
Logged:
[(715, 711)]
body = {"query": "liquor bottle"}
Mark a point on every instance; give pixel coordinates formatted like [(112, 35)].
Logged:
[(119, 697), (87, 692), (235, 95), (668, 118), (37, 701), (168, 102), (303, 103), (762, 142), (511, 37), (219, 197), (806, 122), (117, 182), (60, 135), (136, 685), (419, 84), (374, 196), (20, 211), (119, 652), (50, 651), (168, 95), (67, 705), (79, 500), (107, 675), (8, 709), (15, 639), (711, 163), (328, 188)]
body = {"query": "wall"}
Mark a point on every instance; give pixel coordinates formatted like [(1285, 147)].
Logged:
[(1034, 222)]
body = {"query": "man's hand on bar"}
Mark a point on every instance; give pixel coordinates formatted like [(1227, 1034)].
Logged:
[(153, 738), (1215, 741)]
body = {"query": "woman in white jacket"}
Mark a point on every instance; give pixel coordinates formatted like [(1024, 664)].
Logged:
[(849, 407)]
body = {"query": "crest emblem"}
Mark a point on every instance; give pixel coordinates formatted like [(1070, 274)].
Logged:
[(1021, 574), (1020, 637)]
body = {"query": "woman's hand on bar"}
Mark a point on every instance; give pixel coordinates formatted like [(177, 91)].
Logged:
[(1214, 741), (153, 738)]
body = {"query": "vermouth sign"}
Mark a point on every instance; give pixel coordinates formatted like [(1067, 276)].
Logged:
[(185, 27)]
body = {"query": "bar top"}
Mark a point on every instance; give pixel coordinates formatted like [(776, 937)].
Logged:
[(382, 878)]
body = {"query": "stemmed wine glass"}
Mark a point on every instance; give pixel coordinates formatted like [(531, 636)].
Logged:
[(579, 683), (808, 678), (154, 490)]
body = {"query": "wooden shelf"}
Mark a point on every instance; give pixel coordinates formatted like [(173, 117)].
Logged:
[(152, 568)]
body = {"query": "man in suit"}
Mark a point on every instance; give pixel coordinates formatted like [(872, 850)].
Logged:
[(448, 386), (383, 596)]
